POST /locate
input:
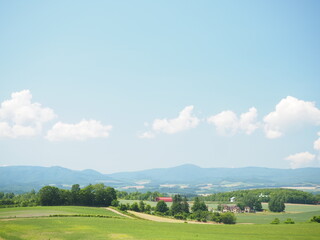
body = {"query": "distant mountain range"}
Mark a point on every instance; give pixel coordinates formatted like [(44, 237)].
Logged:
[(182, 179)]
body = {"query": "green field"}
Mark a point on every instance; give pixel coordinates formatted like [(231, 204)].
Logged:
[(101, 228), (299, 213), (32, 223), (46, 211)]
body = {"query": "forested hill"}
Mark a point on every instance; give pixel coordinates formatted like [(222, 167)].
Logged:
[(192, 174), (186, 178), (26, 178)]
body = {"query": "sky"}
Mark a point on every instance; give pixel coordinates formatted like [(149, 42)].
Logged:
[(132, 85)]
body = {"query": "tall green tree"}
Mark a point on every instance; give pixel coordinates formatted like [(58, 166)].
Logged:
[(142, 206), (185, 205), (100, 195), (87, 196), (251, 200), (276, 203), (135, 207), (75, 194), (162, 207), (103, 196), (49, 196), (111, 195), (198, 205), (176, 206)]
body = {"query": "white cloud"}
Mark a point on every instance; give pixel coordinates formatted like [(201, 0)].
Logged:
[(184, 121), (225, 122), (303, 159), (147, 135), (290, 112), (316, 144), (81, 131), (20, 117), (248, 121), (228, 123)]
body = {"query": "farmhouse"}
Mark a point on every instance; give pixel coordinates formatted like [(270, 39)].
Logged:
[(235, 209), (247, 210), (165, 199)]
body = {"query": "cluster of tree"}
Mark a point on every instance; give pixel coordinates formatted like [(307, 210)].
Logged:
[(250, 200), (91, 195), (315, 219), (148, 196), (289, 195), (19, 200), (180, 210), (141, 207), (276, 203)]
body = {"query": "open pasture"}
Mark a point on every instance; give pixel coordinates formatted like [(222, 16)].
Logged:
[(46, 211), (102, 228), (297, 212), (32, 223)]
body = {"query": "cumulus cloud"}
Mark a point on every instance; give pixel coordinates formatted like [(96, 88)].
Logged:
[(290, 112), (147, 135), (316, 144), (228, 123), (20, 117), (299, 160), (81, 131), (184, 121)]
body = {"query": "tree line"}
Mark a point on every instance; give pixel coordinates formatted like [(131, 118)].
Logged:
[(288, 195), (148, 196), (91, 195)]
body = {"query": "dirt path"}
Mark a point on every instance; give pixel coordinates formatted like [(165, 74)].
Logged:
[(119, 213), (163, 219)]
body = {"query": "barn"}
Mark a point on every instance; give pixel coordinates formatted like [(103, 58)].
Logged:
[(165, 199)]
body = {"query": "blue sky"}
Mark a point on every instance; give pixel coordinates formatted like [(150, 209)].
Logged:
[(101, 84)]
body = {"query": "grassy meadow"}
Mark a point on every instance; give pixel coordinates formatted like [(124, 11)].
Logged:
[(34, 223), (297, 212), (101, 228), (39, 211)]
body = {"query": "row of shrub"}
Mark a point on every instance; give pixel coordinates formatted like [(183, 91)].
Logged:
[(82, 215), (277, 221), (315, 219)]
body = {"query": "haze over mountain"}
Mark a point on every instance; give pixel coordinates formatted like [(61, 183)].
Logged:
[(185, 178)]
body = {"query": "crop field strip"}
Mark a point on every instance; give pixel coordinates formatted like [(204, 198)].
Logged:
[(108, 228), (118, 227), (56, 210)]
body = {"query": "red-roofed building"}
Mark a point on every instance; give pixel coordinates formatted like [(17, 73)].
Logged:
[(166, 199)]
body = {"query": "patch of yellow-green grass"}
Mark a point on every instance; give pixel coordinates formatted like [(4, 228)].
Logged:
[(52, 210), (110, 228), (297, 212)]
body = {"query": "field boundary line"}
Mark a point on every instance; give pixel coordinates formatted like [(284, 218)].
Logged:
[(164, 219), (119, 213)]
